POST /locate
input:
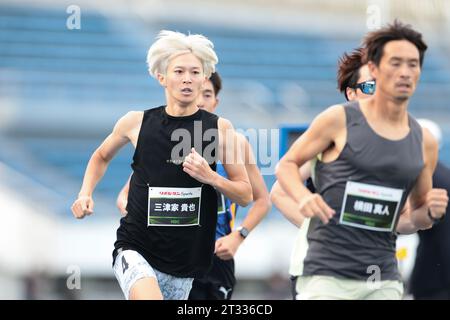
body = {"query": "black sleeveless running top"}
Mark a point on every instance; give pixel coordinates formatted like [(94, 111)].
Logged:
[(170, 247), (340, 249)]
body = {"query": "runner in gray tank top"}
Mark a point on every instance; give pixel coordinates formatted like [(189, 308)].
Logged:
[(374, 156)]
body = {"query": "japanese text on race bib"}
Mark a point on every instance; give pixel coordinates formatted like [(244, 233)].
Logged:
[(370, 207), (174, 206)]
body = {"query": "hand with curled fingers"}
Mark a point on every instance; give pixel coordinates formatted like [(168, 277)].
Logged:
[(313, 205), (121, 203), (198, 168), (437, 201), (83, 206), (227, 246)]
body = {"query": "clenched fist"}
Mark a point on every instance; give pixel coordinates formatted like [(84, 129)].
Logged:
[(313, 205), (83, 206), (437, 201), (198, 168)]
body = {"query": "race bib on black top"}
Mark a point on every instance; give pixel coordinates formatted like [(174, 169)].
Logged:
[(370, 207), (176, 207)]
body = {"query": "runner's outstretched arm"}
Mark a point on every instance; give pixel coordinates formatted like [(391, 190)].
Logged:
[(97, 165)]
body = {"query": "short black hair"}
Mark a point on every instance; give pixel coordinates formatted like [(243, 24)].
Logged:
[(216, 82), (348, 69), (376, 40)]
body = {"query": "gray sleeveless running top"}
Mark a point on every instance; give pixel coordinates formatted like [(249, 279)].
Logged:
[(349, 252)]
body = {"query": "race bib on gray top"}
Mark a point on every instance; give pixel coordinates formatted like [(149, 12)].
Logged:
[(370, 207)]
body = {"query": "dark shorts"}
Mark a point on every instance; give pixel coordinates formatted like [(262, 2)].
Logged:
[(218, 283)]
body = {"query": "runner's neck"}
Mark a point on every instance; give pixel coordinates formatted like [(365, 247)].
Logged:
[(387, 110), (177, 110)]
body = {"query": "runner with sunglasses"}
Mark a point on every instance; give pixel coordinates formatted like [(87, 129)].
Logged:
[(355, 82), (367, 87), (374, 155)]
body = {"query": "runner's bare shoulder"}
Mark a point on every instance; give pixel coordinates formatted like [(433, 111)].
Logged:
[(223, 124), (226, 130), (430, 148), (334, 115), (330, 121), (131, 120)]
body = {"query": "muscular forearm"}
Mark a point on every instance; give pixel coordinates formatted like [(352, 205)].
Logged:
[(94, 172), (286, 205), (257, 212), (290, 181), (420, 218), (412, 221), (237, 191), (405, 224)]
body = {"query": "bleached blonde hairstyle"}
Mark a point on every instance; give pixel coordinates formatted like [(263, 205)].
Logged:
[(170, 44)]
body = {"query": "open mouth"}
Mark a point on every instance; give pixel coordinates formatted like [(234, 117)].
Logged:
[(403, 86), (186, 90)]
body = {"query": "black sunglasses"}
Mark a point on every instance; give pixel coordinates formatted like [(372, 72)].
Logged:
[(367, 87)]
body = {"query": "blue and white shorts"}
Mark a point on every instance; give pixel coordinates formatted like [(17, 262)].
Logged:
[(130, 266)]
